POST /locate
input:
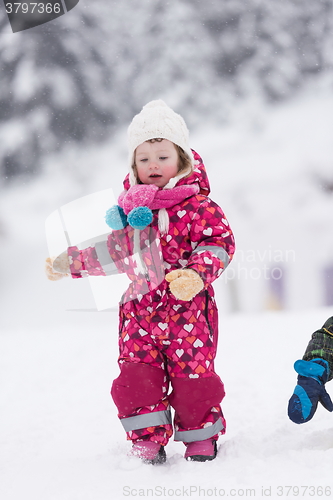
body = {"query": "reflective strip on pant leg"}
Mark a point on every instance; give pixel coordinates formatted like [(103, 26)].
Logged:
[(199, 434), (219, 252), (153, 419)]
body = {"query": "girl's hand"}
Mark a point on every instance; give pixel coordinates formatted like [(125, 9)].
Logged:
[(184, 283), (57, 268)]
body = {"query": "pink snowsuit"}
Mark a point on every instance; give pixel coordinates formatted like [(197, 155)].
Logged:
[(163, 340)]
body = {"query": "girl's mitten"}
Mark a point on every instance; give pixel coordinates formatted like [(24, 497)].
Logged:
[(310, 389), (184, 283), (57, 268)]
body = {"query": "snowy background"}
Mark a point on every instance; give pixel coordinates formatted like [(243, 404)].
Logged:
[(254, 82)]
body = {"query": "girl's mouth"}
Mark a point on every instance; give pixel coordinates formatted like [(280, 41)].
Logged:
[(155, 176)]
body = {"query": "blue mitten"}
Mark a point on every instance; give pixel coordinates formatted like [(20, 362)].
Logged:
[(310, 389)]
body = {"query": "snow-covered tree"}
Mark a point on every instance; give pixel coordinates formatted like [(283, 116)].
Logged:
[(55, 89), (77, 78), (269, 47)]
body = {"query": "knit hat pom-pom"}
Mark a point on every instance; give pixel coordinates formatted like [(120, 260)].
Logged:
[(140, 217), (116, 218), (157, 103)]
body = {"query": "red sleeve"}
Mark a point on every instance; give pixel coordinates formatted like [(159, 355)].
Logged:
[(212, 241), (84, 262), (102, 259)]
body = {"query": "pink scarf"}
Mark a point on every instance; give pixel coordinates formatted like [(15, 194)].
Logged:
[(151, 196)]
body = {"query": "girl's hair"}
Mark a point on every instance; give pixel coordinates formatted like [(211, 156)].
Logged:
[(184, 162)]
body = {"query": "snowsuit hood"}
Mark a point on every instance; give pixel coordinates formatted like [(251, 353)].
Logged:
[(198, 176)]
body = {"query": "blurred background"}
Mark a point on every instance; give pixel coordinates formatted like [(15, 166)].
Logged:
[(254, 82)]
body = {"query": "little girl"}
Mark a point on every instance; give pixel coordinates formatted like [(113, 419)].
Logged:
[(173, 242)]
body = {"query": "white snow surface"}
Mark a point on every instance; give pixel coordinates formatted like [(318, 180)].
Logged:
[(60, 438)]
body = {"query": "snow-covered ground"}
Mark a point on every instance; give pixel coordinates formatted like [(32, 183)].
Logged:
[(60, 437), (59, 433)]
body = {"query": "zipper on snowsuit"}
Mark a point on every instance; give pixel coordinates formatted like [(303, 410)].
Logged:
[(206, 312)]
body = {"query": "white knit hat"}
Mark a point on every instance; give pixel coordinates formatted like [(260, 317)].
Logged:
[(157, 120)]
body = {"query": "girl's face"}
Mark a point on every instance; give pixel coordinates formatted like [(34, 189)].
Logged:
[(156, 162)]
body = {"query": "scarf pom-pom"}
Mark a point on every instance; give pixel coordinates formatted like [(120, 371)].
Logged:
[(140, 217), (116, 218)]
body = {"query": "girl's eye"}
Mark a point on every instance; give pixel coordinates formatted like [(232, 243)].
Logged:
[(163, 157), (144, 159)]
